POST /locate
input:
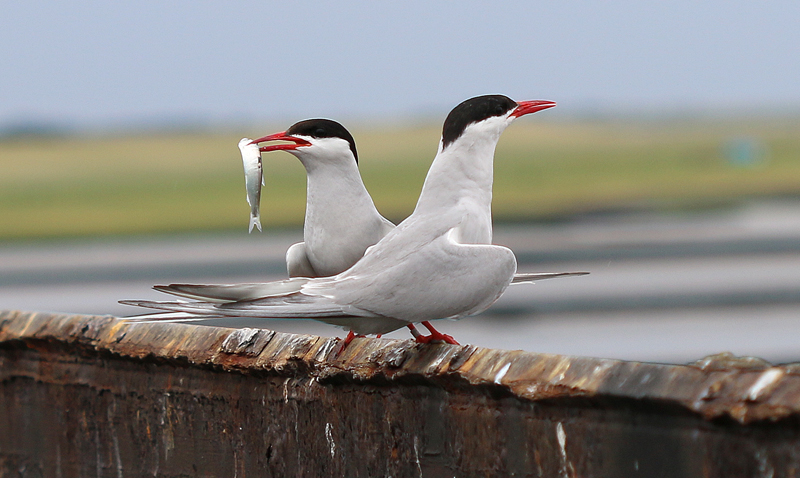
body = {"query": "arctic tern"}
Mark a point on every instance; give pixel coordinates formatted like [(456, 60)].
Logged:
[(438, 263), (341, 220)]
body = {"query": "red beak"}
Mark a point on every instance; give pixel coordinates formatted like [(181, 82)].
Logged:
[(528, 107), (282, 136)]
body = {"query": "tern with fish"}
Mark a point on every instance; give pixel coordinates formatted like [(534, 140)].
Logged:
[(341, 220)]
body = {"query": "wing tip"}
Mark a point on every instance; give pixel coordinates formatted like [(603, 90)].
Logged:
[(523, 278)]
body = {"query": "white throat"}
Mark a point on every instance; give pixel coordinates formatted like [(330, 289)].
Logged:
[(464, 170), (341, 220)]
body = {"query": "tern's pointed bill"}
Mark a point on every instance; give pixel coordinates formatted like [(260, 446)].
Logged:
[(253, 179)]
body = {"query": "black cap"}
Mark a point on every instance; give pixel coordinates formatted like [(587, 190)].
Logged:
[(323, 128), (474, 110)]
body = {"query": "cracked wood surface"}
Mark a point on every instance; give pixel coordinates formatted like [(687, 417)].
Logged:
[(100, 396)]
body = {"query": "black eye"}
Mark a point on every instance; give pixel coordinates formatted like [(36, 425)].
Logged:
[(319, 133), (499, 110)]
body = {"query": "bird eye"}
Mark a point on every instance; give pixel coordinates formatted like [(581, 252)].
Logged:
[(319, 133)]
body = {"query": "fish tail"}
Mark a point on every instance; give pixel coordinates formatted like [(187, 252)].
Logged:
[(255, 221)]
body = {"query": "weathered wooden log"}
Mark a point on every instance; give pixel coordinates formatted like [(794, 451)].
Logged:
[(97, 396)]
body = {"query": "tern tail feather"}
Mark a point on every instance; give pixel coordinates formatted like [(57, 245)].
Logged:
[(165, 317), (292, 306), (221, 293), (526, 278)]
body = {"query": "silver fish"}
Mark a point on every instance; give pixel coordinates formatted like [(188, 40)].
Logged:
[(253, 179)]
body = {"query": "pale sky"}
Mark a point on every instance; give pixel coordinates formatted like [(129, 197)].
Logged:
[(95, 64)]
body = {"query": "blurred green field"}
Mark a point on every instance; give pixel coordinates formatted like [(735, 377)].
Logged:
[(157, 183)]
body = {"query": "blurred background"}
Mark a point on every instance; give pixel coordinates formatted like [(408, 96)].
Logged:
[(670, 169)]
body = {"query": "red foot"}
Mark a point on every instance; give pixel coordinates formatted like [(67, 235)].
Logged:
[(435, 335), (350, 336)]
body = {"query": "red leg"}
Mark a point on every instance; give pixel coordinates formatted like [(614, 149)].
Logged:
[(415, 332), (434, 336), (350, 336)]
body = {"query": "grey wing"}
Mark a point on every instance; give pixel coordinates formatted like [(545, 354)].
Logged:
[(530, 277), (440, 279)]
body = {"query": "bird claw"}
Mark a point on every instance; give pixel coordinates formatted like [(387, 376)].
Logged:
[(438, 337), (435, 335), (350, 336)]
